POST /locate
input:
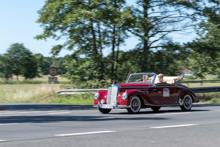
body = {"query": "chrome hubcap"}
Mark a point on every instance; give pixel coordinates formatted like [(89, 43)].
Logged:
[(188, 102), (135, 104)]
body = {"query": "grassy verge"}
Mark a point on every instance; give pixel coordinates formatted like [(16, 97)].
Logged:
[(22, 93), (205, 97), (214, 101), (78, 99), (40, 93)]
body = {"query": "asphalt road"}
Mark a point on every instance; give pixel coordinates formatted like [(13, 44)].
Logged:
[(36, 125)]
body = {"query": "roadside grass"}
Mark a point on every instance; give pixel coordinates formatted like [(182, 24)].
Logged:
[(40, 93), (78, 99), (206, 97), (214, 101), (22, 93)]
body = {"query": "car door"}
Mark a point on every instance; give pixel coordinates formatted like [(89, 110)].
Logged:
[(163, 94)]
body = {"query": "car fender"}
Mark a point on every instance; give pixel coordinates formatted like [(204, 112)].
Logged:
[(102, 95), (190, 92)]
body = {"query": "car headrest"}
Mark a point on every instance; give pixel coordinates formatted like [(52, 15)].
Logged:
[(170, 79)]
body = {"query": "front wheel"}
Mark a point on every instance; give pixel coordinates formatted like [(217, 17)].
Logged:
[(135, 105), (187, 103), (104, 111)]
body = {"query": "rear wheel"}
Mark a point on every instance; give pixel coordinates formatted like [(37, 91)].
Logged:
[(187, 103), (135, 105), (155, 108), (104, 111)]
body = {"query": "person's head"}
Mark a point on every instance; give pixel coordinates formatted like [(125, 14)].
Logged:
[(160, 77), (145, 78)]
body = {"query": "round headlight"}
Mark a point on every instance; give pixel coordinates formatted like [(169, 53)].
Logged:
[(96, 95), (124, 95)]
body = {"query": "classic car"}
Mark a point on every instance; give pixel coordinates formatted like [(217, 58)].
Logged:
[(142, 91)]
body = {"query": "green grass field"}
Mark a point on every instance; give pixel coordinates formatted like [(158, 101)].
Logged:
[(16, 93)]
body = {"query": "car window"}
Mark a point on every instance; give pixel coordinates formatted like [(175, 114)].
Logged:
[(141, 78)]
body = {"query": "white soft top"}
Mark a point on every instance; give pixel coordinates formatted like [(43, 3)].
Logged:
[(170, 79)]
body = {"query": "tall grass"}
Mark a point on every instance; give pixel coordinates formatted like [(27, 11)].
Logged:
[(18, 93)]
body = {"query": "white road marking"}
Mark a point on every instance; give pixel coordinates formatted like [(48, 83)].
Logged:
[(85, 133), (38, 112), (9, 124), (174, 126), (2, 140), (30, 112), (59, 113), (174, 113)]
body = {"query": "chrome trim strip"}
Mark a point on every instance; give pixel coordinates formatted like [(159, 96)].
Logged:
[(114, 107)]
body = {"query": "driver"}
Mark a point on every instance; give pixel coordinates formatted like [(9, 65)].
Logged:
[(161, 81), (145, 78)]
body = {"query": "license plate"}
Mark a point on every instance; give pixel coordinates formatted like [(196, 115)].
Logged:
[(106, 106)]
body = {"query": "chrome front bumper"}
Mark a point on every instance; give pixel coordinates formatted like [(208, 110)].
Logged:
[(106, 106)]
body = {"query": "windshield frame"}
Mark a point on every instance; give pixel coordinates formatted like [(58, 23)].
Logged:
[(147, 73)]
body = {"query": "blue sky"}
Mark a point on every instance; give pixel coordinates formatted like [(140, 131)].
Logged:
[(18, 25)]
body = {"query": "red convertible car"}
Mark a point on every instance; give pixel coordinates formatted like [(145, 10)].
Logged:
[(142, 91)]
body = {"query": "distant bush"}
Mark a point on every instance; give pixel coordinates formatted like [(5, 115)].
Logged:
[(214, 101), (208, 96)]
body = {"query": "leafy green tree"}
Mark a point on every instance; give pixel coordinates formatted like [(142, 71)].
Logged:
[(127, 63), (154, 20), (169, 59), (89, 26), (84, 72), (205, 56), (42, 63), (22, 61), (59, 64), (5, 67)]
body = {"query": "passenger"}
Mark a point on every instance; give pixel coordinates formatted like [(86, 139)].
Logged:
[(145, 78), (161, 81)]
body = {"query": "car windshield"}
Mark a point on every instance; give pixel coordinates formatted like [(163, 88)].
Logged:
[(141, 78)]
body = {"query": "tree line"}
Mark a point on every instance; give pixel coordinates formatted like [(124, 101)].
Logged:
[(95, 30), (92, 27), (18, 60)]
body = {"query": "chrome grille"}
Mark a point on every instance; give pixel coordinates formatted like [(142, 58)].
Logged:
[(112, 95)]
